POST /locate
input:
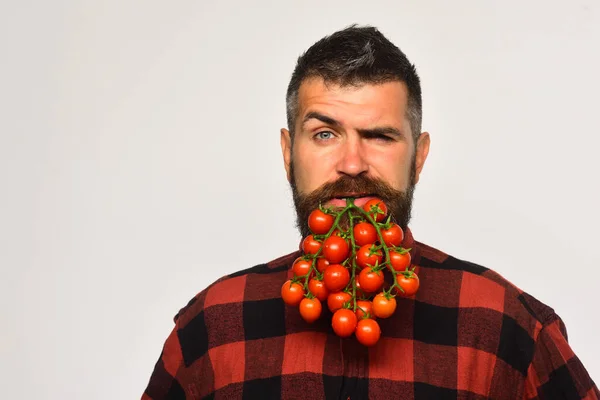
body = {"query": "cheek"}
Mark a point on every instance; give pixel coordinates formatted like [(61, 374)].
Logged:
[(311, 169), (393, 169)]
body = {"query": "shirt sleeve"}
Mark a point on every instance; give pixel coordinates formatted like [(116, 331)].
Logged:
[(163, 381), (555, 371)]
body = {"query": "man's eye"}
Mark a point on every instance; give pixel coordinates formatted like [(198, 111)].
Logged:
[(384, 138), (325, 135)]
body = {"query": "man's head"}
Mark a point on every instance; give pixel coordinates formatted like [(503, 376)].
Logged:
[(354, 121)]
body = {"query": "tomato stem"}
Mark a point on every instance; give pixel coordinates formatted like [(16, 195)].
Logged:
[(350, 202), (312, 268)]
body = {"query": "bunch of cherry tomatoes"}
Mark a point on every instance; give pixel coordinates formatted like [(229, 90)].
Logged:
[(346, 268)]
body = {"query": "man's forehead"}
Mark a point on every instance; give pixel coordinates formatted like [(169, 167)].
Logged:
[(387, 99), (321, 85)]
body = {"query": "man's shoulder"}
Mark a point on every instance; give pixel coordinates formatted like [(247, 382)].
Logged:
[(257, 283), (471, 285)]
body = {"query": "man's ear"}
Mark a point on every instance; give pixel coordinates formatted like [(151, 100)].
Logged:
[(286, 149), (422, 150)]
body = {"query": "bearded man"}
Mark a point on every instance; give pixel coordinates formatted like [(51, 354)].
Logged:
[(354, 132)]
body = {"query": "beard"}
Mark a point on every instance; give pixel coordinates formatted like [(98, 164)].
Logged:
[(399, 203)]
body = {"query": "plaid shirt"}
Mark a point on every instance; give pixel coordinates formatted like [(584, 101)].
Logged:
[(466, 334)]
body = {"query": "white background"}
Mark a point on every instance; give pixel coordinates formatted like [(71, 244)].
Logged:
[(140, 161)]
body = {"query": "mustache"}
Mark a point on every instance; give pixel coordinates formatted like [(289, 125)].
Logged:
[(347, 186), (399, 202)]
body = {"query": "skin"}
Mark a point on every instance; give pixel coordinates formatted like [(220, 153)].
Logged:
[(323, 151)]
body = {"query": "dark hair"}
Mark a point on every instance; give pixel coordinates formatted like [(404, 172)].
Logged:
[(353, 56)]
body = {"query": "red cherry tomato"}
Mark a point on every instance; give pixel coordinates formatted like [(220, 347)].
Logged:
[(368, 332), (319, 222), (335, 249), (322, 263), (336, 300), (336, 277), (367, 255), (364, 309), (292, 293), (318, 289), (393, 236), (376, 209), (410, 284), (370, 280), (310, 245), (310, 309), (383, 307), (399, 261), (364, 233), (343, 322), (301, 267)]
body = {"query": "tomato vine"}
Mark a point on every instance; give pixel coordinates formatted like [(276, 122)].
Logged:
[(333, 247)]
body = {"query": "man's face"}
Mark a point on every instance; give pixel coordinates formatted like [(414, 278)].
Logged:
[(352, 141)]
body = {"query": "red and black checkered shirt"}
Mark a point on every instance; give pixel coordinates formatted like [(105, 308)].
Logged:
[(467, 334)]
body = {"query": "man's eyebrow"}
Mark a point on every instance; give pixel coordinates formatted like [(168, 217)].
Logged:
[(370, 133), (381, 131), (321, 117)]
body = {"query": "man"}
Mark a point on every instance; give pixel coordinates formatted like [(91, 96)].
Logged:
[(354, 130)]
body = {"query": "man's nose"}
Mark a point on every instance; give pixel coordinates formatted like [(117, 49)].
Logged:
[(352, 160)]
